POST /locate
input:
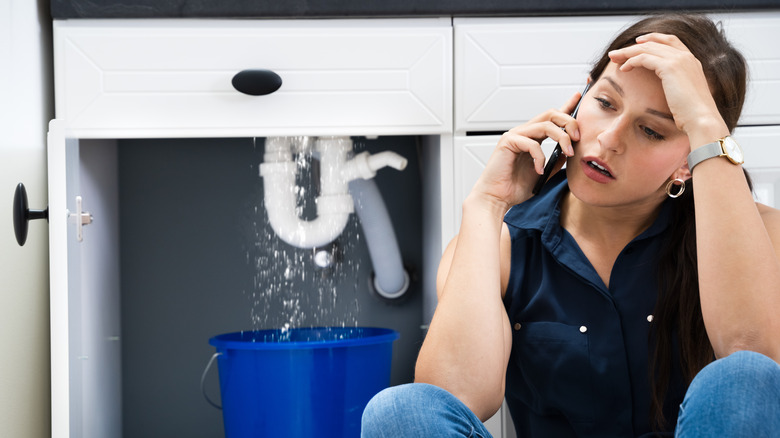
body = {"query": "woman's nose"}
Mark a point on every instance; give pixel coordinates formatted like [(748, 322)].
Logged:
[(614, 135)]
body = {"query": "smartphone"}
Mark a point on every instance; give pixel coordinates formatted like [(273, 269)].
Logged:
[(556, 153)]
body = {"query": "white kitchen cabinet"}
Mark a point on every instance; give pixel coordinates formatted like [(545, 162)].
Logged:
[(129, 79), (437, 78)]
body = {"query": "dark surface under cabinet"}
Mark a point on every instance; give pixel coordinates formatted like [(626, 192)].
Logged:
[(380, 8)]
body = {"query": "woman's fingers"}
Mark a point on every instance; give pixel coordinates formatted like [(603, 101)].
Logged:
[(569, 106), (519, 144), (553, 129), (528, 138), (652, 51), (654, 41), (555, 124), (669, 40), (639, 56)]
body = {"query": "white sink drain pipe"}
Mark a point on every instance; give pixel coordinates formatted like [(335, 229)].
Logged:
[(333, 208), (390, 280)]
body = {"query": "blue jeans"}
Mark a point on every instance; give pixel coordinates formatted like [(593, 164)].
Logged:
[(737, 396)]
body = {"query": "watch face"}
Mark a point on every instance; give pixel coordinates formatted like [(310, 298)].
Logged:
[(733, 151)]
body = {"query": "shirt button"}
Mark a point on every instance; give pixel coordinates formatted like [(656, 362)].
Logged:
[(649, 318), (517, 326), (583, 329)]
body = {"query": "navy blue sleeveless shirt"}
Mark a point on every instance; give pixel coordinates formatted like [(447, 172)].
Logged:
[(580, 350)]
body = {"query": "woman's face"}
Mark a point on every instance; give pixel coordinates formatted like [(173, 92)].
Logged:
[(629, 145)]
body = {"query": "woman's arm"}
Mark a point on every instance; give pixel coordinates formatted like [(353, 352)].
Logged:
[(739, 273), (467, 346)]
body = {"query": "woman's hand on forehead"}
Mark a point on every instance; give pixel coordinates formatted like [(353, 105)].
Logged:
[(682, 78)]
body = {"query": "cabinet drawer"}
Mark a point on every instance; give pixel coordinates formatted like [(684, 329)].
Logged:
[(509, 70), (173, 77)]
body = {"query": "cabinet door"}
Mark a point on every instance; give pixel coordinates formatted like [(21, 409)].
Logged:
[(84, 275), (172, 78)]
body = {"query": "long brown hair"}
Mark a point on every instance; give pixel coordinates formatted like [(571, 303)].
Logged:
[(678, 323)]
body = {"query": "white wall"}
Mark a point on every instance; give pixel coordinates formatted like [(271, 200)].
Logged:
[(25, 108)]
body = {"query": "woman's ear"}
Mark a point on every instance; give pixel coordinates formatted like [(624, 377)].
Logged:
[(683, 172)]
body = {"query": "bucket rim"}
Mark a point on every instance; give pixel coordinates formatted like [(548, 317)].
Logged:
[(248, 339)]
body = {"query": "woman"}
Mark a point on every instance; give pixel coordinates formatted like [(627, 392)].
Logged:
[(593, 305)]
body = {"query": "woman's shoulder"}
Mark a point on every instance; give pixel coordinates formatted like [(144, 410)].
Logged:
[(768, 212), (771, 218)]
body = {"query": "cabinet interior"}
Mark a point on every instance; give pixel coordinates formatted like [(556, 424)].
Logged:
[(178, 252)]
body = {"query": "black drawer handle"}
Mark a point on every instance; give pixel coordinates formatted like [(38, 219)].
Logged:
[(257, 82), (23, 215)]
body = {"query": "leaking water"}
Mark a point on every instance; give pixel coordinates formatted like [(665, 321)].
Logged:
[(290, 288)]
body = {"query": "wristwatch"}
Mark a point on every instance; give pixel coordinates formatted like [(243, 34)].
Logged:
[(724, 147)]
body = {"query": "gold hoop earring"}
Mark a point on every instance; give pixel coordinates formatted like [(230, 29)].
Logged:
[(671, 184)]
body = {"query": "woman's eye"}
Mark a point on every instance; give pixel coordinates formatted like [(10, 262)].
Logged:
[(604, 103), (652, 134)]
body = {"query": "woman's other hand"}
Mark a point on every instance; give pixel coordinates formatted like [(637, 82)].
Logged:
[(685, 86)]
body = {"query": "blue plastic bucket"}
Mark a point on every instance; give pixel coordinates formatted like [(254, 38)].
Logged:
[(301, 382)]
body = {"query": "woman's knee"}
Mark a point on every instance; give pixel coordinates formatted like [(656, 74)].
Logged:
[(740, 371), (419, 410), (739, 395), (403, 402)]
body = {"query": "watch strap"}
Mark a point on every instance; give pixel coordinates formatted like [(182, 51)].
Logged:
[(709, 150)]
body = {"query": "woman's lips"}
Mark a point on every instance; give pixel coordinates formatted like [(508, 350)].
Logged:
[(596, 170)]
